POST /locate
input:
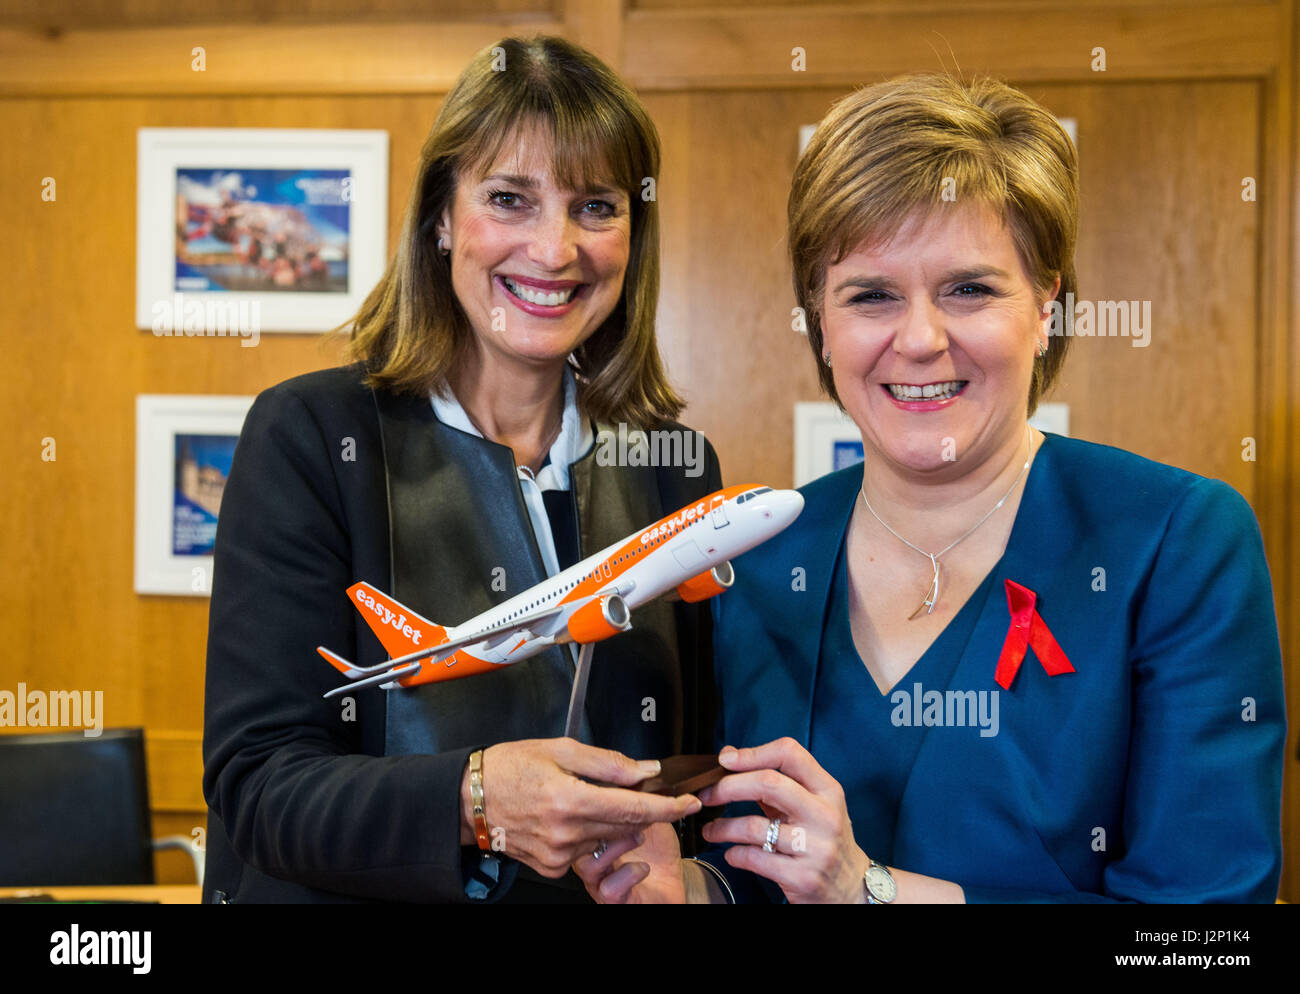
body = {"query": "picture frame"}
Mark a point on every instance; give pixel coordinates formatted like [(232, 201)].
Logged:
[(826, 439), (258, 229), (184, 444)]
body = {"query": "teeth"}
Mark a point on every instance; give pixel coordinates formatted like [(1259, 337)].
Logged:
[(931, 391), (551, 299)]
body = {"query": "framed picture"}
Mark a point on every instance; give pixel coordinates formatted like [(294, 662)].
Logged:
[(826, 439), (284, 230), (183, 449)]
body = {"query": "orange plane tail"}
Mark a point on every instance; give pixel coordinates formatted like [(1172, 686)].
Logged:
[(400, 629)]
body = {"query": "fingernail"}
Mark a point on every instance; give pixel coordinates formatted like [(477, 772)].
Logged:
[(639, 838), (650, 767), (694, 806), (728, 755)]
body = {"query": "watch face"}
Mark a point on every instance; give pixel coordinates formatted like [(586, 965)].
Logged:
[(881, 884)]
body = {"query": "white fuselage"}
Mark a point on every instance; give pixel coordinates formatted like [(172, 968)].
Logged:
[(639, 569)]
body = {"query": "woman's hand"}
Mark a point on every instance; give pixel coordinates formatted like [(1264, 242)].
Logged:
[(542, 814), (649, 872), (815, 858)]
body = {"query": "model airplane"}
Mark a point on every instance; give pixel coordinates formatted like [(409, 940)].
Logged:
[(688, 552)]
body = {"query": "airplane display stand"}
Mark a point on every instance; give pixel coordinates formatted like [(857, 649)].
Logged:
[(578, 699)]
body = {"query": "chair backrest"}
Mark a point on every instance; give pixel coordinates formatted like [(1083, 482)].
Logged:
[(74, 810)]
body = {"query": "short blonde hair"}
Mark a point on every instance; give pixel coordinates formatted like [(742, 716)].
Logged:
[(411, 330), (888, 151)]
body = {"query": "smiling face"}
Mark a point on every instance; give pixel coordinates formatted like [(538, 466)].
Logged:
[(932, 338), (552, 259)]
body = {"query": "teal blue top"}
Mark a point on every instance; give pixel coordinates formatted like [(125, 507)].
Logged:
[(1151, 773), (853, 719)]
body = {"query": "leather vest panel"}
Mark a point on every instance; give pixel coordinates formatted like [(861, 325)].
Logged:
[(456, 514)]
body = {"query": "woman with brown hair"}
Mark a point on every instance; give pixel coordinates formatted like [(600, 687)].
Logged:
[(452, 465), (1023, 667)]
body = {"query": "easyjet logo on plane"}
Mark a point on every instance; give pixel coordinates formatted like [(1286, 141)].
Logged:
[(388, 617), (684, 516)]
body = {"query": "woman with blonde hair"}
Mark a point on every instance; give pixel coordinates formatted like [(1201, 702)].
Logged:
[(1023, 667), (452, 466)]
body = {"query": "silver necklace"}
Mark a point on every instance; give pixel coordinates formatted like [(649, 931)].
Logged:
[(932, 595), (545, 448)]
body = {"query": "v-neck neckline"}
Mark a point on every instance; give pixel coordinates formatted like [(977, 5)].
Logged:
[(976, 601), (961, 624)]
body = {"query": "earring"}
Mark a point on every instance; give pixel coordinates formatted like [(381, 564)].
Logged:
[(827, 358), (443, 247), (1042, 350)]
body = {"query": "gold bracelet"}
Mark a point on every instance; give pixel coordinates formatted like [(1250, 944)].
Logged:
[(476, 799)]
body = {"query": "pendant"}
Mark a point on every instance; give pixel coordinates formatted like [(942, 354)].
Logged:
[(932, 595)]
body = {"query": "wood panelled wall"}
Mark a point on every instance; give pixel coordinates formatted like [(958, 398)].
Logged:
[(1195, 97)]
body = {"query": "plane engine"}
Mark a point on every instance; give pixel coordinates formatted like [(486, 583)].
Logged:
[(707, 585), (599, 619)]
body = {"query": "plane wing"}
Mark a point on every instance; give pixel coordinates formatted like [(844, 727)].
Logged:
[(387, 672), (403, 666), (409, 664)]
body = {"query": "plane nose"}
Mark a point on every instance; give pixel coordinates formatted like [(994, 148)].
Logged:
[(783, 506), (792, 500)]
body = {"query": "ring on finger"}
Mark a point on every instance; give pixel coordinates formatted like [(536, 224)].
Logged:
[(599, 851), (773, 832)]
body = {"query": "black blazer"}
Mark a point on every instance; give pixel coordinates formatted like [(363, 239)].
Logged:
[(314, 800)]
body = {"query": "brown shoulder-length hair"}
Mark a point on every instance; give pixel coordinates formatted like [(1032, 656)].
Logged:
[(411, 330), (890, 150)]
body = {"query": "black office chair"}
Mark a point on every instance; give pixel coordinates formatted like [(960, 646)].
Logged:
[(75, 811)]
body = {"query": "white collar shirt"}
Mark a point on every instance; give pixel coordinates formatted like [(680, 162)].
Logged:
[(573, 442)]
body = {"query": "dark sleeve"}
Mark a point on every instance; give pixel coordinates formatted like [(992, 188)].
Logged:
[(1203, 793), (282, 767)]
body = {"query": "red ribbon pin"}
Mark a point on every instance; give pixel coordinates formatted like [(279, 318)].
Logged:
[(1028, 629)]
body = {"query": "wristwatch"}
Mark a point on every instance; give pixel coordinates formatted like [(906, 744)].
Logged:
[(880, 885)]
